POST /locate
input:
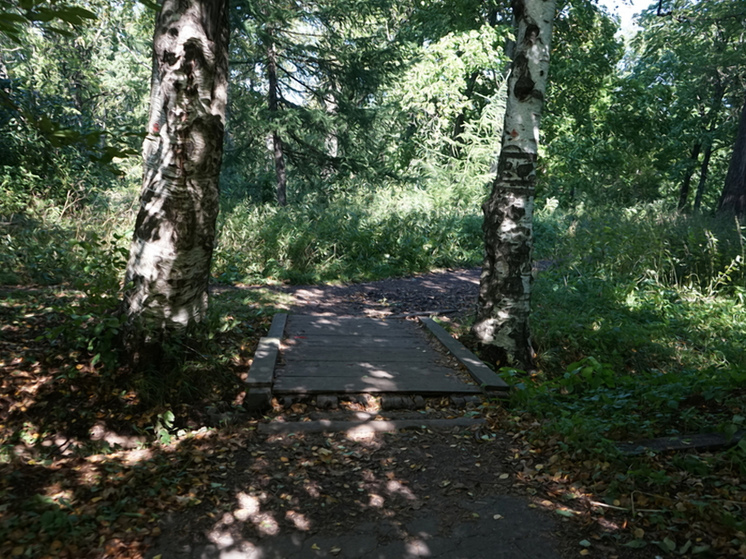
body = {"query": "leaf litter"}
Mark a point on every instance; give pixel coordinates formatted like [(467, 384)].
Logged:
[(63, 494)]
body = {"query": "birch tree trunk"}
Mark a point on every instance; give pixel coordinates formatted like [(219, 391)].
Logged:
[(502, 319), (169, 263), (704, 170)]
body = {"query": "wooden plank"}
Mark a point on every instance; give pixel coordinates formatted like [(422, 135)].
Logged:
[(700, 441), (347, 326), (353, 353), (481, 373), (354, 341), (357, 385), (263, 366), (384, 370), (277, 328)]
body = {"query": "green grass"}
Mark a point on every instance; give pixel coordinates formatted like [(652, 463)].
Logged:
[(357, 235), (639, 325)]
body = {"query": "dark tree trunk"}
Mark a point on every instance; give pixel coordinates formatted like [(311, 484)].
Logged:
[(278, 152), (733, 199), (704, 170), (502, 320), (686, 183), (169, 264), (458, 126)]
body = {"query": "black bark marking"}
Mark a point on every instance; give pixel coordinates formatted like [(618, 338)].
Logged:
[(532, 34), (169, 58), (518, 9), (524, 171), (524, 85)]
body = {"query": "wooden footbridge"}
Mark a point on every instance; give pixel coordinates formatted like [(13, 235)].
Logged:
[(304, 356)]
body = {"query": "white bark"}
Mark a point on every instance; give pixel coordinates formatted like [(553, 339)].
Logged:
[(502, 321), (169, 264)]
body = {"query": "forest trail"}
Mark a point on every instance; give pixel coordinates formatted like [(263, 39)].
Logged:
[(377, 435)]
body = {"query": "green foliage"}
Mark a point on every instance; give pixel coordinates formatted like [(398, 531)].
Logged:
[(626, 137), (54, 17), (639, 325), (69, 121), (332, 61), (454, 79), (94, 325), (356, 235)]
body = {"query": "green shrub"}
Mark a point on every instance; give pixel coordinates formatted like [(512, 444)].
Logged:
[(357, 234)]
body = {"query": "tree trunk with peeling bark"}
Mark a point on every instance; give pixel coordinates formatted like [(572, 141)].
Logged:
[(502, 320), (169, 263)]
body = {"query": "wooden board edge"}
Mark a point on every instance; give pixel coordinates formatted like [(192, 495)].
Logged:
[(262, 368), (480, 372), (366, 427), (277, 328)]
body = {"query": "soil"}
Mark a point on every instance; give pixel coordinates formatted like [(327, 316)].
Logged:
[(415, 493), (445, 292)]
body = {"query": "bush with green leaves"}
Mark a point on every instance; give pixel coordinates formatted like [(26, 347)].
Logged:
[(639, 325), (362, 233)]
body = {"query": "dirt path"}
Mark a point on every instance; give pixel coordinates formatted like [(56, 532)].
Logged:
[(445, 291), (414, 493)]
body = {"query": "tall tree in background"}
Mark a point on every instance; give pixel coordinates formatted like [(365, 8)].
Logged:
[(305, 92), (169, 263), (502, 321), (733, 199)]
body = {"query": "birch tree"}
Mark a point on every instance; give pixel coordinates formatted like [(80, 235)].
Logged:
[(169, 262), (502, 320)]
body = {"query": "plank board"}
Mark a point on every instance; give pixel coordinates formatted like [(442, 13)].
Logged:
[(370, 426), (349, 326), (357, 385), (328, 355), (699, 441), (354, 341), (352, 353), (390, 370), (480, 372)]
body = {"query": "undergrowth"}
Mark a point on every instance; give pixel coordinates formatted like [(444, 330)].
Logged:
[(639, 324), (358, 234)]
